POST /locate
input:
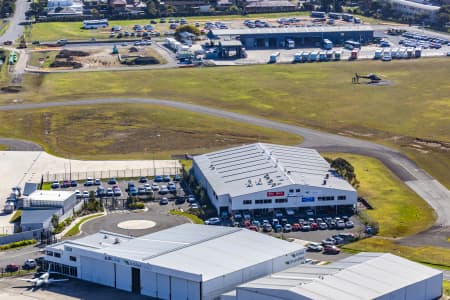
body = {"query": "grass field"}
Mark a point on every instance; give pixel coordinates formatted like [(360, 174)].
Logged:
[(446, 287), (131, 131), (314, 95), (76, 228), (47, 57), (431, 255), (398, 210)]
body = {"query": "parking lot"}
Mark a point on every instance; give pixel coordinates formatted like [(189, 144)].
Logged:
[(114, 192)]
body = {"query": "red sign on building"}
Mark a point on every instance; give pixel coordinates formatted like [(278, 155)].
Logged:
[(275, 194)]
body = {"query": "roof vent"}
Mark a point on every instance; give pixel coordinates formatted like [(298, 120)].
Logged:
[(327, 176), (324, 182), (259, 182), (105, 236), (274, 184), (116, 241), (289, 172)]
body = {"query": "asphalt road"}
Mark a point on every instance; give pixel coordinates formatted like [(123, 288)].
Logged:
[(417, 179), (20, 145), (15, 30)]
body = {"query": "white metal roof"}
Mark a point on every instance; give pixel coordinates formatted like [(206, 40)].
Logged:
[(37, 216), (288, 30), (56, 196), (258, 167), (209, 251), (362, 276)]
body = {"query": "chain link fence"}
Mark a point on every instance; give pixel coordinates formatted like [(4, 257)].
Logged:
[(125, 173)]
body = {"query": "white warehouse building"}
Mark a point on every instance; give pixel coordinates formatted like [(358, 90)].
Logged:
[(363, 276), (190, 262), (264, 177), (60, 199)]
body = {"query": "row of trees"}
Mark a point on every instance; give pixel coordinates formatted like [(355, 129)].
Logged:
[(345, 169)]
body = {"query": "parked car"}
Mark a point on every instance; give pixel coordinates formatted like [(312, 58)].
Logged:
[(78, 194), (340, 224), (100, 191), (193, 206), (163, 190), (109, 192), (349, 224), (89, 181), (171, 187), (117, 192), (29, 264), (296, 227), (177, 178), (65, 184), (141, 190), (287, 228), (267, 227), (55, 184), (163, 201), (213, 221), (112, 180), (158, 178), (191, 199), (331, 250), (132, 191), (180, 200), (155, 186), (12, 268), (85, 194), (97, 181), (278, 214), (142, 179), (314, 247), (290, 212), (166, 178), (73, 183), (323, 226)]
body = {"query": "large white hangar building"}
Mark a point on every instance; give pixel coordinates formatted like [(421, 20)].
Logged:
[(265, 177), (189, 262), (363, 276)]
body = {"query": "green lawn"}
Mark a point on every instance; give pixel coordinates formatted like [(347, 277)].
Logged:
[(446, 288), (130, 131), (76, 228), (46, 57), (193, 218), (435, 256), (398, 210)]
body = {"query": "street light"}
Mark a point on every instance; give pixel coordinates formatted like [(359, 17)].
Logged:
[(154, 168)]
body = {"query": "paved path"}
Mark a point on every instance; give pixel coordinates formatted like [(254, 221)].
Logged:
[(417, 179), (15, 30), (20, 145)]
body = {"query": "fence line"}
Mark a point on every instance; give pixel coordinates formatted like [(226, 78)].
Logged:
[(102, 174)]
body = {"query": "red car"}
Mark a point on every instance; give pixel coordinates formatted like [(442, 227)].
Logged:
[(331, 250), (314, 226), (12, 268)]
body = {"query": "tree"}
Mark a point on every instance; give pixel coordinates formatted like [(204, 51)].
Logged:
[(346, 170), (55, 221), (153, 8), (187, 28), (233, 9)]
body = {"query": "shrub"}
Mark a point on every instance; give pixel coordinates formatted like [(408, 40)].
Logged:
[(136, 205), (17, 244)]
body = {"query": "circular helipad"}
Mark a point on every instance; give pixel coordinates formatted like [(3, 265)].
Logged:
[(136, 224)]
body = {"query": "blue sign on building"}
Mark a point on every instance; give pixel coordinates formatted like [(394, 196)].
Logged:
[(307, 199)]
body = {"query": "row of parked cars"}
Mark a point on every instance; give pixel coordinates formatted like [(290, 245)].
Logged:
[(330, 244), (281, 224), (424, 41)]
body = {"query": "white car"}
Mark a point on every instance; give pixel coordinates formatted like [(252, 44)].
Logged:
[(78, 194), (212, 221), (290, 212), (155, 186), (85, 194)]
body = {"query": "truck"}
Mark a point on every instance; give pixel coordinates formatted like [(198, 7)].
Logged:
[(378, 54), (273, 57), (417, 52), (305, 56), (290, 44), (313, 56), (338, 55), (327, 44), (322, 56), (297, 57)]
